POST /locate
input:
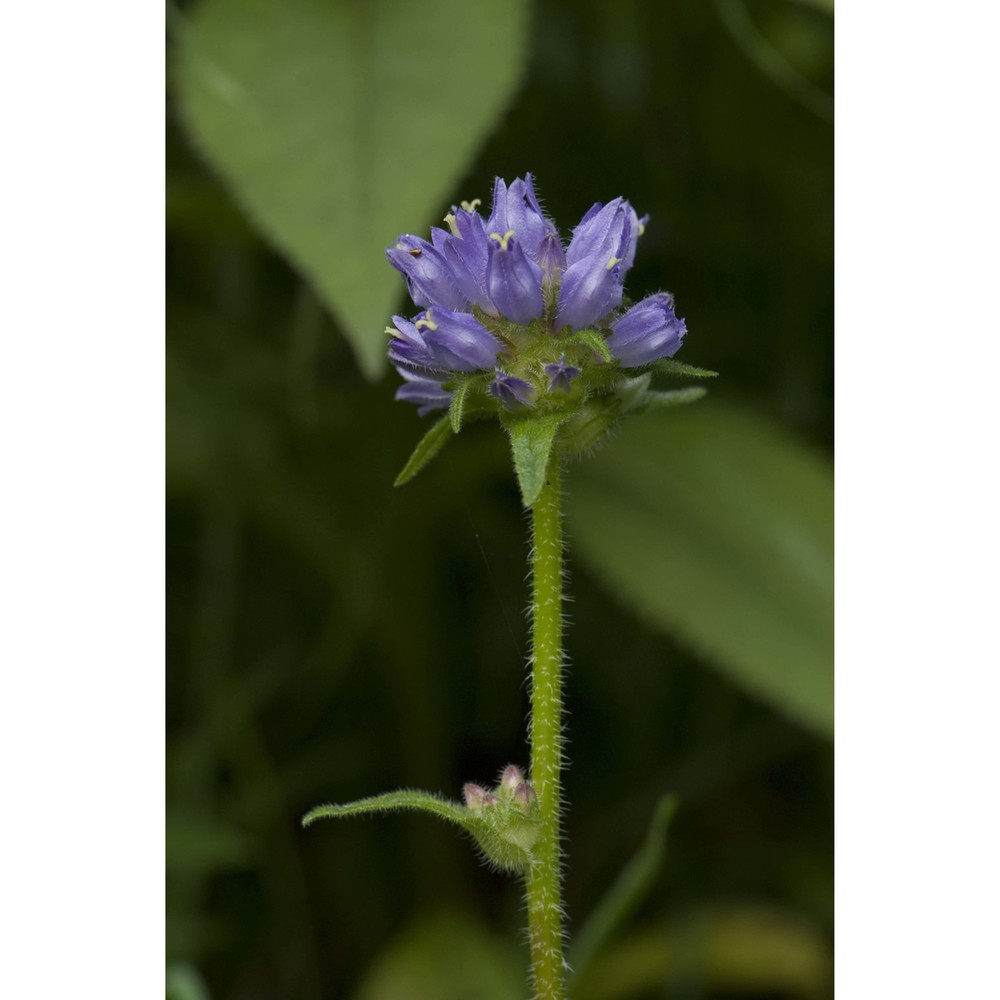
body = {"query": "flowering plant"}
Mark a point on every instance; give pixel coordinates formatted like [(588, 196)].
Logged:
[(516, 326)]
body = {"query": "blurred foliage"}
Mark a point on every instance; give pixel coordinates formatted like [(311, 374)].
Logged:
[(330, 637)]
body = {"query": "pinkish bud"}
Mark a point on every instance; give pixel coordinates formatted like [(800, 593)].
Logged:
[(525, 797), (474, 795), (489, 800), (511, 780)]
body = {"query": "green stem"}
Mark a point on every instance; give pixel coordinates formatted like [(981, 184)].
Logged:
[(543, 881)]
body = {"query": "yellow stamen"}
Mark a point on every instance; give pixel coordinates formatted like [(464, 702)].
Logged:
[(452, 224), (642, 228), (503, 240), (470, 206), (426, 321), (613, 261), (393, 332)]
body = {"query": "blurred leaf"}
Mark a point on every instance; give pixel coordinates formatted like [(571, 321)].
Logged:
[(447, 958), (670, 366), (625, 894), (660, 400), (427, 448), (735, 949), (715, 525), (341, 124), (185, 983)]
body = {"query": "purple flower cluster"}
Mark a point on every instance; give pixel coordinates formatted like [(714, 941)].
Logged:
[(478, 277)]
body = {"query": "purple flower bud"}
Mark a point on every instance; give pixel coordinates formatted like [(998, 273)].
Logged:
[(513, 392), (513, 280), (474, 796), (649, 331), (525, 797), (428, 276), (516, 209), (444, 341), (595, 273), (561, 375), (511, 780), (489, 800)]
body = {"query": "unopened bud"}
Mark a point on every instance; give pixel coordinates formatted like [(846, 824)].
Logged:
[(525, 797), (475, 796), (490, 800), (511, 780)]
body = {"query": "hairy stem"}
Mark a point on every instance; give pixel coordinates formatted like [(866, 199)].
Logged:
[(543, 880)]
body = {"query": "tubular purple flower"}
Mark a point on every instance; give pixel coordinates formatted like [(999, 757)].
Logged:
[(513, 280), (513, 392), (595, 273), (649, 331), (516, 209), (467, 252), (428, 277), (444, 340)]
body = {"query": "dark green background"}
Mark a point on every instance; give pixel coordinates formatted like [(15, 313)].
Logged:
[(330, 637)]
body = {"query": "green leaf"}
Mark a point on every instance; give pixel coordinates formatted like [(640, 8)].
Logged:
[(716, 526), (427, 448), (655, 400), (504, 832), (627, 891), (670, 366), (321, 117), (392, 802), (457, 406), (531, 440)]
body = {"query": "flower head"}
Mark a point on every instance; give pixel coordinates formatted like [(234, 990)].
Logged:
[(514, 320)]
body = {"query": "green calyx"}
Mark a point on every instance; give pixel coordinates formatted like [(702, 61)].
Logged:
[(571, 419)]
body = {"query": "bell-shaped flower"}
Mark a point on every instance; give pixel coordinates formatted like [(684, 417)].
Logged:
[(467, 251), (650, 330), (516, 209), (428, 277), (595, 265), (443, 340), (514, 280)]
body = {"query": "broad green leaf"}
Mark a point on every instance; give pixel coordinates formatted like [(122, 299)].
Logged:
[(427, 448), (335, 136), (626, 892), (737, 949), (716, 526), (531, 440)]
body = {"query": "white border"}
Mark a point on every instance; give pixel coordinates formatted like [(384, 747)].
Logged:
[(81, 535)]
